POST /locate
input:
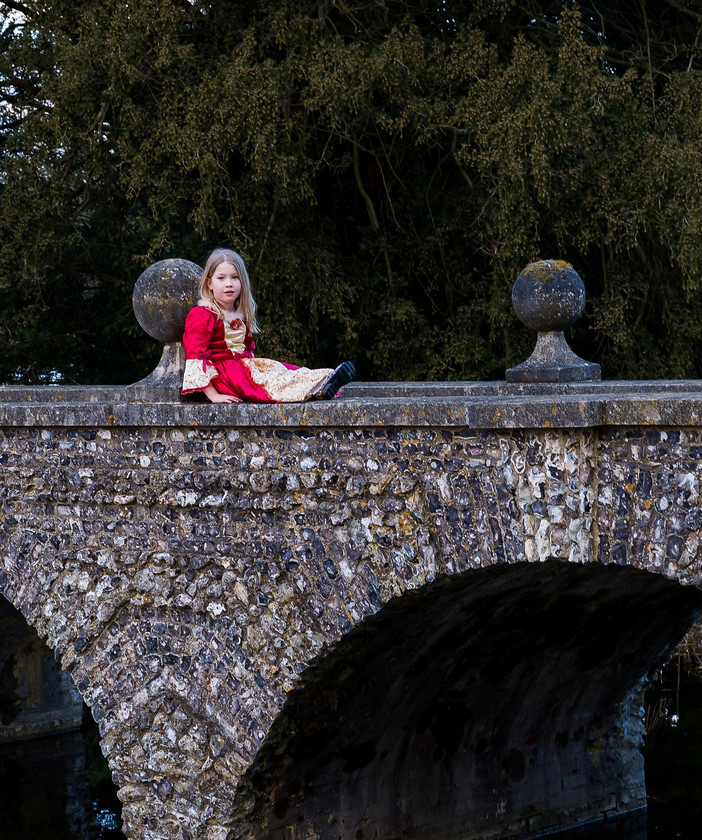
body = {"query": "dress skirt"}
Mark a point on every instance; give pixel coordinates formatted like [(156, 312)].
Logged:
[(266, 380)]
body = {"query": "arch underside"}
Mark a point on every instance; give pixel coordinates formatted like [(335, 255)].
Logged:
[(502, 702), (36, 697)]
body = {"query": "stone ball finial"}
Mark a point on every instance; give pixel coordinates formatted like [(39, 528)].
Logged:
[(548, 295), (163, 295)]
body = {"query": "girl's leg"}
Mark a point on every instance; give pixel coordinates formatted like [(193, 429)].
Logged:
[(340, 377), (256, 380), (234, 379)]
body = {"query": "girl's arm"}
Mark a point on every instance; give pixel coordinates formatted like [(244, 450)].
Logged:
[(249, 343), (197, 336)]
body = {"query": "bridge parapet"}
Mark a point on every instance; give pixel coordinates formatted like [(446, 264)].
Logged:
[(188, 563), (476, 405)]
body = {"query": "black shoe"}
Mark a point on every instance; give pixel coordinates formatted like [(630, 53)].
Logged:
[(341, 376)]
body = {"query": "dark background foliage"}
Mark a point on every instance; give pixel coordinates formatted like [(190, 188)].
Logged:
[(386, 168)]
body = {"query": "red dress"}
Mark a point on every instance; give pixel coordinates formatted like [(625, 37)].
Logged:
[(220, 352)]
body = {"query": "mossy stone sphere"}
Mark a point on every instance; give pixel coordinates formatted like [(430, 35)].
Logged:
[(163, 295), (548, 296)]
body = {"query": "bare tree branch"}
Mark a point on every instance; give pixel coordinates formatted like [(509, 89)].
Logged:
[(684, 9), (17, 7)]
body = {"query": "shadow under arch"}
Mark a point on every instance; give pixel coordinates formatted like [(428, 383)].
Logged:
[(36, 696), (54, 780), (501, 702)]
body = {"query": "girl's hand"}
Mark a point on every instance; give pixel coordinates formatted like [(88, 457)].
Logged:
[(226, 398), (215, 397)]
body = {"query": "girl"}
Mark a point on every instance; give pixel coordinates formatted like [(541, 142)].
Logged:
[(219, 346)]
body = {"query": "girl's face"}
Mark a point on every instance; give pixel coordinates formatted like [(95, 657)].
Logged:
[(225, 285)]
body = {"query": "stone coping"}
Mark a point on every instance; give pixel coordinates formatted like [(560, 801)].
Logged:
[(475, 405)]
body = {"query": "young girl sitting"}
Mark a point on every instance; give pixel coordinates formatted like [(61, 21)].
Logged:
[(219, 346)]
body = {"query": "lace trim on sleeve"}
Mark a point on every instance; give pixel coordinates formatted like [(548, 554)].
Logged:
[(197, 375)]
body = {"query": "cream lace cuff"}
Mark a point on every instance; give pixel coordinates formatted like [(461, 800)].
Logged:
[(196, 378)]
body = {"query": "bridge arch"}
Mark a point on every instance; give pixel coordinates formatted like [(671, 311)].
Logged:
[(187, 572), (501, 699)]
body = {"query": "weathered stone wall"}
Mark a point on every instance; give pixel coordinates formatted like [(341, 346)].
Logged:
[(187, 576)]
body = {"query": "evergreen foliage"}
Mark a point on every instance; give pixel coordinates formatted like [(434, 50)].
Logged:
[(386, 168)]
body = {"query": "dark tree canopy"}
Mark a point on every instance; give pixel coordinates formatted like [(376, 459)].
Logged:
[(386, 168)]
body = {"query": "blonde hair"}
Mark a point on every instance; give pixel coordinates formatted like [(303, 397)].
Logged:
[(246, 305)]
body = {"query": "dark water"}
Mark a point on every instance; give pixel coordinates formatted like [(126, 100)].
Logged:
[(673, 756), (58, 787)]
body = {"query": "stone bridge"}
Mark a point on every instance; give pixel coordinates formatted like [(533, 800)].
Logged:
[(421, 611)]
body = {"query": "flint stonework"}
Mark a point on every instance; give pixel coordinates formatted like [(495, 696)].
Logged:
[(283, 615)]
